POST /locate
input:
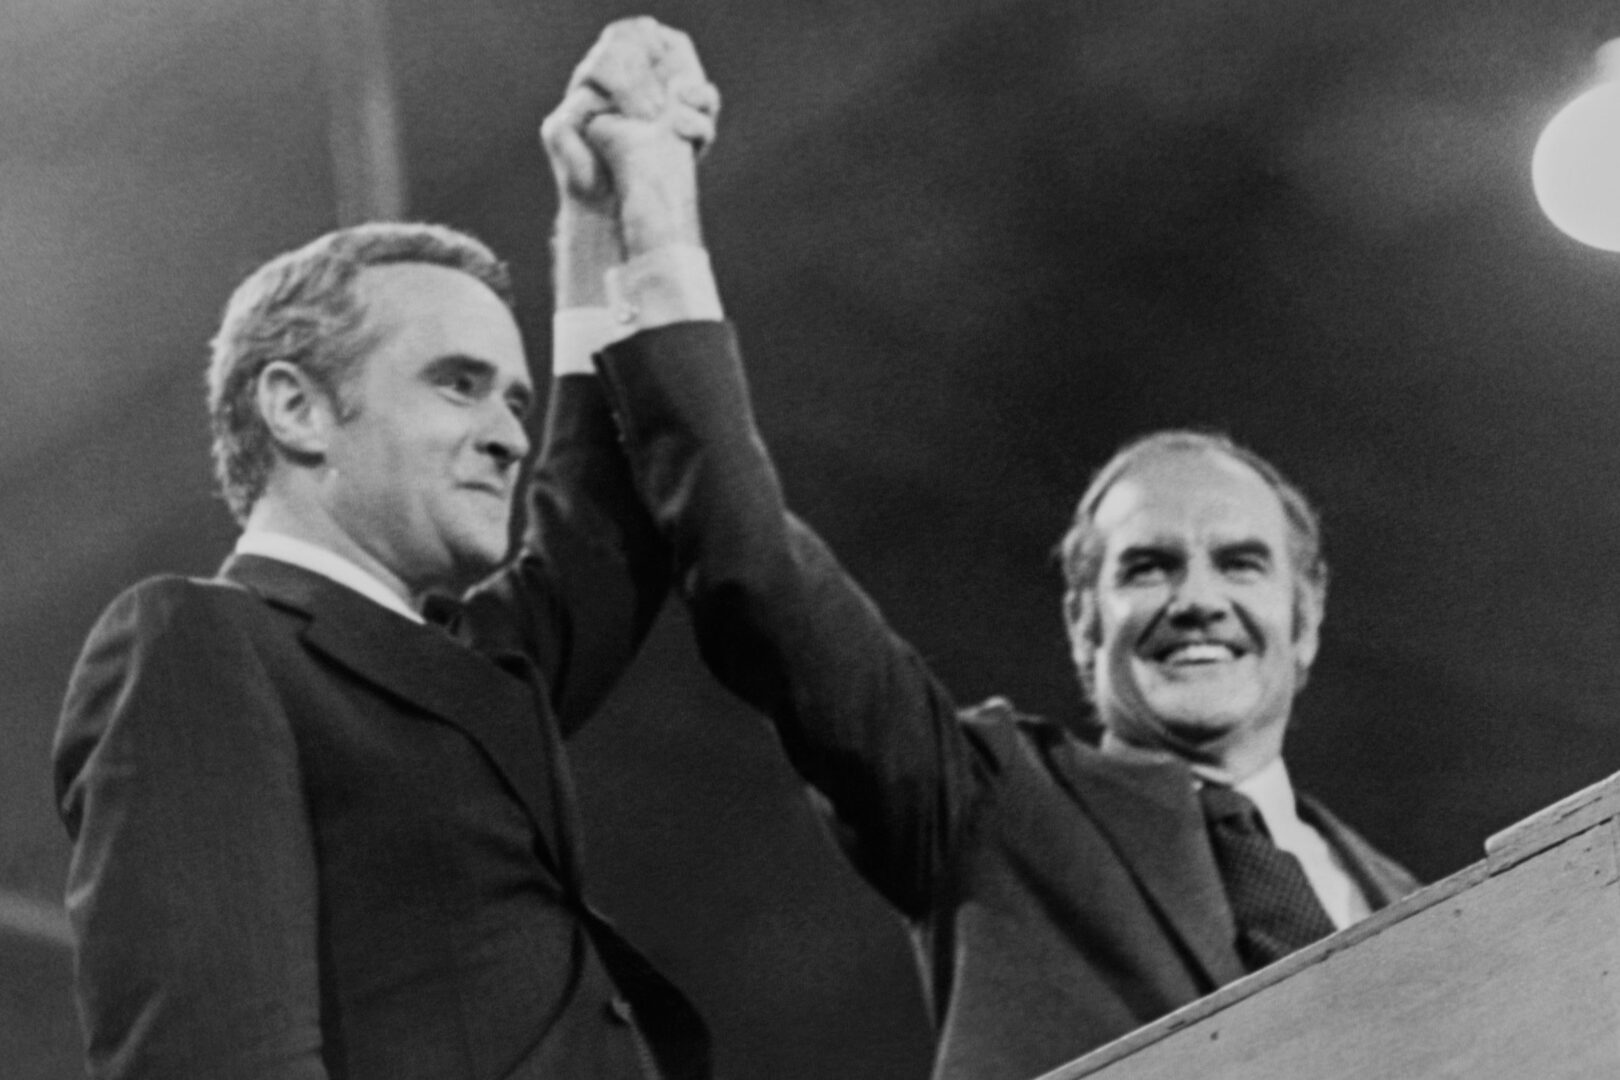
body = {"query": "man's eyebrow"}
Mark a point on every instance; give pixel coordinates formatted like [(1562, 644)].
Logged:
[(461, 364), (1247, 546), (1149, 549)]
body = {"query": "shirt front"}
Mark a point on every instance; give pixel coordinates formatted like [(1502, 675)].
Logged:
[(1272, 793)]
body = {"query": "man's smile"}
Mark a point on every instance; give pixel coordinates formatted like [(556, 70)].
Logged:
[(489, 487), (1207, 652), (1195, 651)]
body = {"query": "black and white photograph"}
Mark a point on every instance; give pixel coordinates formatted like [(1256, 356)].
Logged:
[(860, 539)]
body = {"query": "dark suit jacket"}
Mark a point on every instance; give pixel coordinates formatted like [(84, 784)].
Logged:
[(1059, 897), (314, 839)]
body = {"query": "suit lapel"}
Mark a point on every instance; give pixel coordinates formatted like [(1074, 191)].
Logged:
[(1149, 814), (495, 704), (1382, 881)]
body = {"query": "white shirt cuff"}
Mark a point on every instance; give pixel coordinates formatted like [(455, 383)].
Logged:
[(578, 334), (671, 284)]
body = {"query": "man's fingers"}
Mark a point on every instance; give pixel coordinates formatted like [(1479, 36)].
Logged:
[(639, 64), (576, 163), (562, 132), (677, 60), (640, 72), (683, 122), (573, 113), (622, 67), (693, 125), (575, 110), (703, 96), (563, 135)]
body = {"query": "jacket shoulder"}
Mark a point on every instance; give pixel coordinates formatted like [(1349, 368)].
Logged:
[(997, 722), (994, 710), (164, 617), (1000, 712), (169, 624), (170, 603), (165, 652)]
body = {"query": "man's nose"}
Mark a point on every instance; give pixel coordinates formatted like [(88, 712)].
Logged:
[(1199, 598), (505, 439)]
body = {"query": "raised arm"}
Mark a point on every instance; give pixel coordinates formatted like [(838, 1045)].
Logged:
[(778, 621), (592, 571)]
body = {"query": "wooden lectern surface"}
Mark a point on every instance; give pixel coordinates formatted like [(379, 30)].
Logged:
[(1504, 971)]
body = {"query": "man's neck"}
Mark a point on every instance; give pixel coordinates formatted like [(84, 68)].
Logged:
[(273, 517), (318, 560), (1229, 768)]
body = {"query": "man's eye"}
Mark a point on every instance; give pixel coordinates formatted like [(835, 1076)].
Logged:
[(519, 400), (1141, 572), (462, 385), (1249, 566)]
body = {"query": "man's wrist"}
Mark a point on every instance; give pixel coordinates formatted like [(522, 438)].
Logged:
[(577, 335), (658, 208), (585, 247), (669, 284)]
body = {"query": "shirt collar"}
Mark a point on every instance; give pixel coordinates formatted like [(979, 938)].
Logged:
[(1270, 789), (328, 564), (1272, 793)]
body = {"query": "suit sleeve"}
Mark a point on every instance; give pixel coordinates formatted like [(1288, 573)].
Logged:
[(192, 882), (781, 624), (592, 572)]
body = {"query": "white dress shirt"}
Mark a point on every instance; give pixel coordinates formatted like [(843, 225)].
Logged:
[(1273, 794)]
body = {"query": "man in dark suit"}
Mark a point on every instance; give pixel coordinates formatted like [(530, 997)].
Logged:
[(322, 819), (1060, 893)]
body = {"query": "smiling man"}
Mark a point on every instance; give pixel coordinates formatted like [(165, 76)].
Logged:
[(1194, 603), (1196, 586), (322, 821), (1060, 893), (415, 453)]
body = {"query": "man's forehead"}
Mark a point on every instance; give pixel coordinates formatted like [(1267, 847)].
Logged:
[(442, 310), (405, 288), (1197, 491)]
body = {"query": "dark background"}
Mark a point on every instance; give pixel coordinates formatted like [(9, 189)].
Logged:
[(971, 246)]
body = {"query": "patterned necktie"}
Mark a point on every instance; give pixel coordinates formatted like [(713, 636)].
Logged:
[(1272, 901)]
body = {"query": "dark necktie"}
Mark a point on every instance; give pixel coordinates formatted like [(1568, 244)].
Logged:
[(1272, 901)]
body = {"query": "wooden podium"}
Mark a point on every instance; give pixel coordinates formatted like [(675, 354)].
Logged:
[(1508, 970)]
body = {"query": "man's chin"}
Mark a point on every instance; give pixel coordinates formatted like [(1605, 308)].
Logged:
[(1200, 723), (1199, 741), (475, 562)]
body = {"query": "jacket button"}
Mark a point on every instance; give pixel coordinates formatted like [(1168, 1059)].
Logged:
[(619, 1009)]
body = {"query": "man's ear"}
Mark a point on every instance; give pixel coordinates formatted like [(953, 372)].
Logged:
[(1309, 603), (1080, 614), (298, 413)]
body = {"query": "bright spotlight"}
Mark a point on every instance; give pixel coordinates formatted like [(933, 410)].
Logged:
[(1576, 167)]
